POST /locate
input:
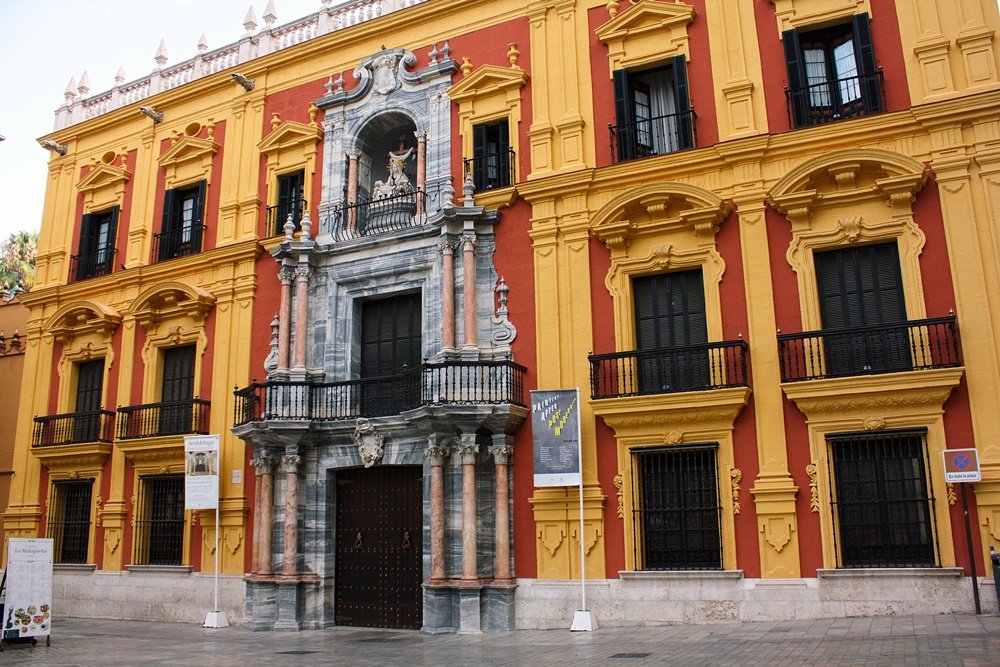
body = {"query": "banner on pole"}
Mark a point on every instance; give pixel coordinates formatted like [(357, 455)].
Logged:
[(201, 472), (555, 429), (28, 605)]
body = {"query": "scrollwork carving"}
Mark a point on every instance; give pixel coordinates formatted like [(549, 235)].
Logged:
[(617, 481), (736, 475), (812, 471)]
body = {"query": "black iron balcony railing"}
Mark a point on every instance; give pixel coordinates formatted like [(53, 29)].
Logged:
[(668, 370), (277, 215), (378, 216), (92, 264), (165, 418), (492, 171), (74, 428), (454, 383), (178, 242), (653, 136), (850, 97), (889, 348)]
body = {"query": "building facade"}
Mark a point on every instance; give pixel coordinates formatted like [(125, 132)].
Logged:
[(758, 235)]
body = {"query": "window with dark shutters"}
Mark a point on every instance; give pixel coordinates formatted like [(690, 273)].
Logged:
[(391, 338), (177, 390), (653, 113), (89, 394), (832, 73), (492, 158), (97, 244), (183, 225)]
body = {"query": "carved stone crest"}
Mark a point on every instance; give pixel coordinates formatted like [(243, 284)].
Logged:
[(384, 70), (369, 442)]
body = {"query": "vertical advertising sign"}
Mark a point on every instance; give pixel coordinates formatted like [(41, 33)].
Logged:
[(555, 429), (201, 472), (28, 607)]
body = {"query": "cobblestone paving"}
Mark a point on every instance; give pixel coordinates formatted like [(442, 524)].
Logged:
[(905, 640)]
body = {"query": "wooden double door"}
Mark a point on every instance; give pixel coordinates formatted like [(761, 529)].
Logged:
[(378, 536)]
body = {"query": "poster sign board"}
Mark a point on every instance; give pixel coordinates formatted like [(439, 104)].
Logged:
[(201, 472), (28, 607), (961, 465), (555, 429)]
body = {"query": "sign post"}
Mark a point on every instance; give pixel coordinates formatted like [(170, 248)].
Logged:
[(28, 605), (558, 461), (962, 466), (201, 492)]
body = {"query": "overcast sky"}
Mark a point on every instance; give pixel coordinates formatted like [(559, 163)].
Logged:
[(45, 42)]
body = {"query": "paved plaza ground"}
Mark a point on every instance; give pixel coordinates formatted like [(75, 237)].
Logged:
[(956, 639)]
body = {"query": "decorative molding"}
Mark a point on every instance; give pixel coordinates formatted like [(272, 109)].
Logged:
[(801, 14), (873, 423), (811, 471), (103, 187), (952, 498), (736, 475), (188, 160), (617, 481), (368, 441), (645, 33)]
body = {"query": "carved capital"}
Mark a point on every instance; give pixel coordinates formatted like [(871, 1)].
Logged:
[(468, 243), (290, 463), (286, 275), (468, 452), (447, 245), (502, 453), (436, 453), (303, 273), (262, 465)]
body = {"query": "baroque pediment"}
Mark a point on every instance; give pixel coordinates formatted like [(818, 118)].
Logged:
[(659, 208), (80, 318), (171, 300), (188, 149), (649, 29), (103, 176), (488, 79), (290, 134)]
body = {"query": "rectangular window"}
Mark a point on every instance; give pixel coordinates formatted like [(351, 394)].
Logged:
[(183, 222), (69, 520), (671, 332), (677, 513), (291, 201), (391, 337), (882, 505), (863, 310), (653, 113), (159, 521), (89, 394), (97, 244), (492, 157), (832, 73), (177, 390)]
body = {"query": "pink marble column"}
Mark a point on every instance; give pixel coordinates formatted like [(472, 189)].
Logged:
[(301, 312), (448, 293), (284, 318), (502, 450), (421, 169), (265, 504), (352, 189), (290, 465), (255, 554), (469, 290), (468, 450), (436, 456)]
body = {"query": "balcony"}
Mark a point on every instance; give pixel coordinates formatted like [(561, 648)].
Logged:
[(669, 370), (178, 242), (449, 383), (653, 136), (277, 215), (92, 264), (836, 99), (492, 171), (166, 418), (74, 428), (377, 216), (890, 348)]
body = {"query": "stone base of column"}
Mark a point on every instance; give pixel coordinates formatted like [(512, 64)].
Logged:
[(288, 606), (466, 607), (284, 603)]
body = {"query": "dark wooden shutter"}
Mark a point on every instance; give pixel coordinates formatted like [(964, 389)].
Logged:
[(112, 242), (390, 344), (670, 319), (682, 104), (171, 213), (198, 219), (178, 373), (88, 234), (624, 116), (89, 386), (864, 52), (798, 92)]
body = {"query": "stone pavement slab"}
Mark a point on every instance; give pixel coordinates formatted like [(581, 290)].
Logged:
[(959, 639)]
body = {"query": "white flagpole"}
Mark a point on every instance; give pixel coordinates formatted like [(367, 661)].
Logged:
[(583, 620)]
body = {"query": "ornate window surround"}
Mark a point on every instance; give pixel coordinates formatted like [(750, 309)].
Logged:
[(881, 402), (159, 461), (189, 160), (84, 329), (646, 33), (289, 147), (489, 94), (877, 187), (104, 185), (86, 461)]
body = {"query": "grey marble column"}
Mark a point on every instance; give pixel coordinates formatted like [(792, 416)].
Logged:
[(437, 454), (468, 450), (502, 451), (290, 466)]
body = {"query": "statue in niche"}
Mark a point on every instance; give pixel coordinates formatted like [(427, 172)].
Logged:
[(397, 183), (369, 442)]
